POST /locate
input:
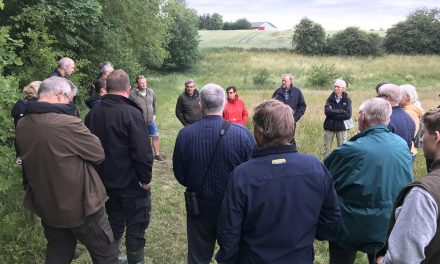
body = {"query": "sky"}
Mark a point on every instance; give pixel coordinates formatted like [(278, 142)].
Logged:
[(331, 14)]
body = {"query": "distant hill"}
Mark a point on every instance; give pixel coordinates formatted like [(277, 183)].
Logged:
[(251, 38), (245, 39)]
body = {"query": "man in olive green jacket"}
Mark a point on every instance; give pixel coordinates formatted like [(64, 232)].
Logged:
[(58, 154), (368, 173)]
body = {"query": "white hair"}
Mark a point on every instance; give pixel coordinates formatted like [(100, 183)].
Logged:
[(392, 91), (341, 83), (377, 111), (55, 85), (410, 91), (212, 97)]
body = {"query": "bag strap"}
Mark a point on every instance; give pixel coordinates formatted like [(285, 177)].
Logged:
[(223, 130)]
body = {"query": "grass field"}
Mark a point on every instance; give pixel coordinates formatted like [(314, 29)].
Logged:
[(166, 236)]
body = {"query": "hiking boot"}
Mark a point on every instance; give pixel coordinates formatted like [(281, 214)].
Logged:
[(159, 158), (136, 257)]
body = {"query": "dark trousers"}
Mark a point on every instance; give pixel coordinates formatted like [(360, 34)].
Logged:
[(340, 255), (201, 240), (129, 211), (95, 234)]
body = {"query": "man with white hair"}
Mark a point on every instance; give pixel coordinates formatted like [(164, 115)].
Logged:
[(337, 110), (64, 189), (205, 154), (368, 173), (400, 122), (66, 66)]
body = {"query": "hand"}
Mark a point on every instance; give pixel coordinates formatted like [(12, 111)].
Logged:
[(18, 161), (379, 259), (146, 186), (154, 118)]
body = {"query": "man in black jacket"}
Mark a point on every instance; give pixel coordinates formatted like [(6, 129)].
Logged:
[(188, 109), (126, 171), (291, 96)]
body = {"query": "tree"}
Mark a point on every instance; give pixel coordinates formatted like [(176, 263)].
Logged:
[(216, 21), (354, 42), (183, 36), (418, 34), (308, 37), (242, 23)]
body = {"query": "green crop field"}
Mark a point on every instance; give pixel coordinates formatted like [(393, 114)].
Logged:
[(21, 242)]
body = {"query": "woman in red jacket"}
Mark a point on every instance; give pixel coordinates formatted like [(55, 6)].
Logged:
[(235, 110)]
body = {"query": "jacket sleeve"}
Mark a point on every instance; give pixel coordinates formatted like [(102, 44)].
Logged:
[(229, 224), (245, 114), (140, 149), (330, 211), (179, 162), (338, 114), (83, 143), (179, 111), (301, 107), (154, 103)]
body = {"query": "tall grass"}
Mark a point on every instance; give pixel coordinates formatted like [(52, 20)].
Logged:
[(166, 236)]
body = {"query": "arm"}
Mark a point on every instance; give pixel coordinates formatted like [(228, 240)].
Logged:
[(229, 224), (179, 162), (414, 229), (330, 211), (338, 114), (301, 107), (244, 114), (154, 102), (84, 143), (179, 111), (140, 148)]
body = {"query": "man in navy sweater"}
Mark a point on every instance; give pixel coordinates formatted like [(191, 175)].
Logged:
[(278, 202), (202, 162)]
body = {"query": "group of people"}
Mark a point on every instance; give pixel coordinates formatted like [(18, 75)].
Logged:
[(256, 195)]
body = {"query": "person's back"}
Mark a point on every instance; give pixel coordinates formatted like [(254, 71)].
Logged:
[(401, 124)]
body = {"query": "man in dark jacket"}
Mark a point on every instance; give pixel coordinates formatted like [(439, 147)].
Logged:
[(205, 153), (66, 66), (414, 235), (278, 202), (58, 154), (337, 109), (188, 105), (291, 96), (126, 171)]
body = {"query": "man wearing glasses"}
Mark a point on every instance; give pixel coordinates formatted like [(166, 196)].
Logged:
[(59, 154)]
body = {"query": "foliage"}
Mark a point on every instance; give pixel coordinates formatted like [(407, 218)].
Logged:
[(321, 75), (418, 34), (241, 23), (262, 77), (308, 38), (183, 36), (354, 42), (211, 22)]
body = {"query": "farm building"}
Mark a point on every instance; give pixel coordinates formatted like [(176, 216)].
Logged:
[(263, 26)]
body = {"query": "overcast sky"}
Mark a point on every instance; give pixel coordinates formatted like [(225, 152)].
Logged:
[(331, 14)]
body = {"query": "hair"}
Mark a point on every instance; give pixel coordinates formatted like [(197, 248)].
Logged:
[(341, 82), (410, 91), (431, 120), (118, 80), (392, 91), (55, 85), (275, 121), (288, 75), (212, 98), (189, 81), (105, 67), (140, 77), (379, 85), (100, 83), (64, 62), (377, 111), (233, 88), (31, 90)]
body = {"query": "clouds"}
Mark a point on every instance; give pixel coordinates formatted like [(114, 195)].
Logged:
[(331, 14)]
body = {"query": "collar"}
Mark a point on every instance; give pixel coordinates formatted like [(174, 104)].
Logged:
[(371, 129), (435, 165), (212, 117), (35, 107), (116, 98), (233, 99), (261, 152)]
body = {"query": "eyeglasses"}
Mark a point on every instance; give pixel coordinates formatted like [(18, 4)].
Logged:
[(68, 98), (339, 87), (230, 92)]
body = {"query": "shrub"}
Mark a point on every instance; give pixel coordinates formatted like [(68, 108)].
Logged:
[(262, 77), (354, 42), (321, 75)]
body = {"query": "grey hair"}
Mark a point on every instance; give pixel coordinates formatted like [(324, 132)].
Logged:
[(377, 111), (288, 75), (55, 85), (341, 82), (106, 67), (392, 91), (212, 97), (410, 91), (64, 62), (190, 81)]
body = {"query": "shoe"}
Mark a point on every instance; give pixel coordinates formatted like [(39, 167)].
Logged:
[(136, 257), (159, 158)]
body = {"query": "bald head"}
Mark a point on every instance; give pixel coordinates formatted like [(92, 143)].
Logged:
[(66, 66)]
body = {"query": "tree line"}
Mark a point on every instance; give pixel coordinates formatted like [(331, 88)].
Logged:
[(215, 22), (418, 34)]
